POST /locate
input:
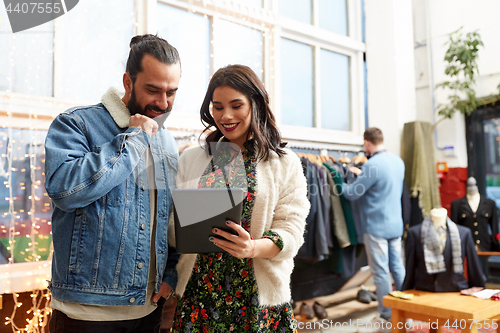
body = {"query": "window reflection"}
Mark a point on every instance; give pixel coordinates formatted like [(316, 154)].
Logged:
[(296, 83), (491, 129), (299, 10), (93, 46), (30, 210), (189, 33), (335, 92), (333, 16), (237, 44), (26, 61)]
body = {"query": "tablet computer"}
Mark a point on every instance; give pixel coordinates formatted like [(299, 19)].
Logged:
[(198, 211)]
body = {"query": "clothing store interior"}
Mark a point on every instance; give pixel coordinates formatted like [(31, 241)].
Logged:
[(425, 73)]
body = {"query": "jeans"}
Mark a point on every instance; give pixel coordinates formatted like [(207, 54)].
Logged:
[(384, 257), (60, 323)]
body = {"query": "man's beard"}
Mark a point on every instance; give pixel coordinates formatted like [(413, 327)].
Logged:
[(134, 108)]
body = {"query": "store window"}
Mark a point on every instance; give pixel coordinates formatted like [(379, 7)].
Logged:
[(315, 57), (335, 91), (25, 208), (333, 16), (92, 48), (189, 33), (297, 83), (238, 44), (491, 129), (299, 10), (21, 69)]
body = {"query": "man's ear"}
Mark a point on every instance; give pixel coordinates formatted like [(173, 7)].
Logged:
[(127, 83)]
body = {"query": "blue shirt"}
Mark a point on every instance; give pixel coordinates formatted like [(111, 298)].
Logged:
[(379, 188)]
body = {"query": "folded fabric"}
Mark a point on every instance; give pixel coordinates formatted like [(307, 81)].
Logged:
[(486, 293), (471, 291), (400, 294), (496, 297)]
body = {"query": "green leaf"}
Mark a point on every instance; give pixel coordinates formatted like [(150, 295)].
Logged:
[(461, 56)]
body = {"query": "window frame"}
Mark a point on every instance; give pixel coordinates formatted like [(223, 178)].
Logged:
[(215, 14), (351, 46)]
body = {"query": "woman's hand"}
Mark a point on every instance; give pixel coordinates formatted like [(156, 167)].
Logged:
[(241, 245)]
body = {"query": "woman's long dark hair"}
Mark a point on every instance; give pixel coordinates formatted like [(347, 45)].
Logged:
[(263, 127)]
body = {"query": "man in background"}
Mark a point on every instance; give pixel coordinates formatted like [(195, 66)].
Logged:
[(379, 187)]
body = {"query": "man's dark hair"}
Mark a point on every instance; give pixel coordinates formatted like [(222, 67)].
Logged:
[(263, 128), (153, 45), (374, 135)]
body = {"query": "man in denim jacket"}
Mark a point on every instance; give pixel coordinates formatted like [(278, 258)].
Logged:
[(109, 170)]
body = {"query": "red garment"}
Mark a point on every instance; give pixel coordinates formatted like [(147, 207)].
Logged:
[(496, 297)]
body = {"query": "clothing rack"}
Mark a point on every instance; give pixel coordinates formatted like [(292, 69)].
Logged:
[(185, 137), (313, 158), (356, 159)]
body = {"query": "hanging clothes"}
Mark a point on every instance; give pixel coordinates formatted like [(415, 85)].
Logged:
[(336, 212), (346, 205), (315, 247)]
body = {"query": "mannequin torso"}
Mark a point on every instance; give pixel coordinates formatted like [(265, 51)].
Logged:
[(473, 199), (438, 219)]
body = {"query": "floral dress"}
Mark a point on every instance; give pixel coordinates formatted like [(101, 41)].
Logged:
[(222, 295)]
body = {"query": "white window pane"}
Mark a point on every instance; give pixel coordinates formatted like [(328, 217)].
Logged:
[(237, 44), (333, 15), (300, 10), (335, 92), (253, 3), (93, 44), (26, 61), (296, 83), (189, 33)]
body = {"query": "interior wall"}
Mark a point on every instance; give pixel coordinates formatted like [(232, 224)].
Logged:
[(433, 21), (390, 68)]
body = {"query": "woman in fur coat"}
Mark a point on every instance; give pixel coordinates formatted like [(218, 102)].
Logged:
[(246, 287)]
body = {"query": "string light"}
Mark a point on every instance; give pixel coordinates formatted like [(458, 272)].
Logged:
[(25, 232), (27, 225)]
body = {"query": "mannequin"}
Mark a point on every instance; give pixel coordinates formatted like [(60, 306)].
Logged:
[(438, 219), (435, 258), (479, 214), (473, 196)]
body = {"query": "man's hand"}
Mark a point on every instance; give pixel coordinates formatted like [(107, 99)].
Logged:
[(147, 124), (355, 170), (165, 291)]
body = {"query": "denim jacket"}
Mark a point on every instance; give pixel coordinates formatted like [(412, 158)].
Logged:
[(96, 178)]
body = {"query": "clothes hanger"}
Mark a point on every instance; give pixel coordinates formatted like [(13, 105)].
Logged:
[(345, 159), (359, 159)]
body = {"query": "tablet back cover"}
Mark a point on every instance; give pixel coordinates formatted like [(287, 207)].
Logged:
[(198, 211)]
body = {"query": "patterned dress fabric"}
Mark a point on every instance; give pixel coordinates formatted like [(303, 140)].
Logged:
[(222, 294)]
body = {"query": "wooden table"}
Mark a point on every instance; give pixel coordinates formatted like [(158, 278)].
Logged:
[(443, 309)]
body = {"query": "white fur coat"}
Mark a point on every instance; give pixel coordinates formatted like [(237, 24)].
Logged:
[(281, 205)]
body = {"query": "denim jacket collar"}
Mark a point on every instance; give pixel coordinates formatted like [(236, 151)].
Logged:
[(112, 100)]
